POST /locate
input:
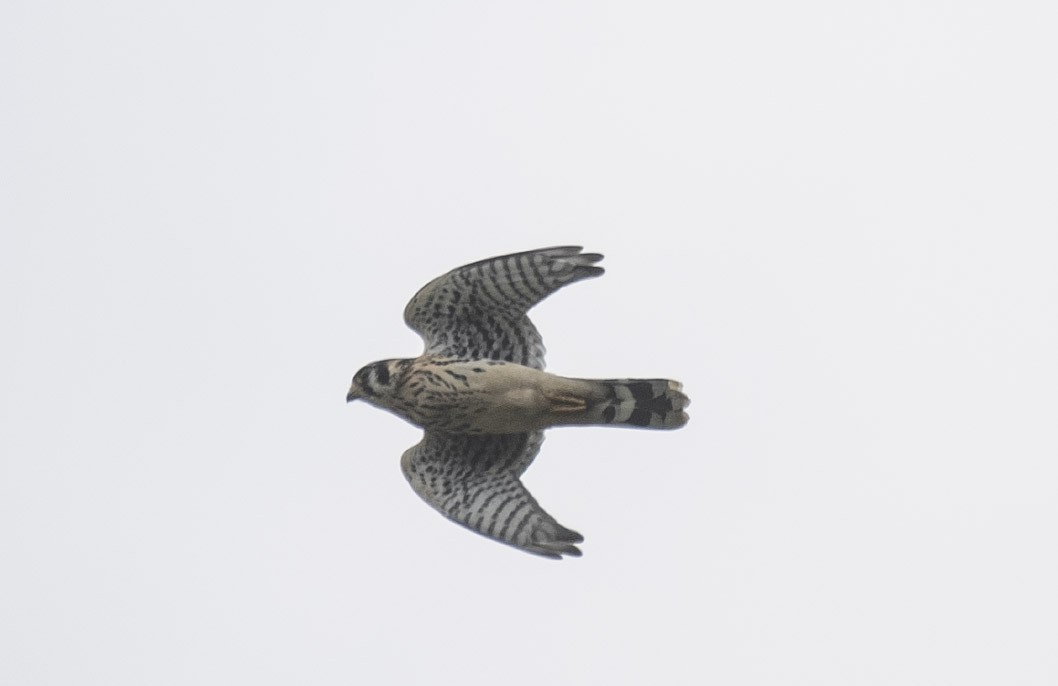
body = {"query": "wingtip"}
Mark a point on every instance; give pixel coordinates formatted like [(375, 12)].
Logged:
[(556, 541), (569, 251), (582, 264), (557, 552)]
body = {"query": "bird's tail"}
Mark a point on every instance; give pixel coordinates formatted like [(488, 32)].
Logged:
[(645, 403)]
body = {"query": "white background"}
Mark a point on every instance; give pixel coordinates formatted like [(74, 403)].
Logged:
[(834, 222)]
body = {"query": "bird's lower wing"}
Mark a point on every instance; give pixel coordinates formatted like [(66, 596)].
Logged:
[(473, 480)]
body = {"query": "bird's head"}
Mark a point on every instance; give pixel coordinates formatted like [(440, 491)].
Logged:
[(372, 381)]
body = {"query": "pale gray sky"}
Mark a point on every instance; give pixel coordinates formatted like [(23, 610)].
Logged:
[(834, 222)]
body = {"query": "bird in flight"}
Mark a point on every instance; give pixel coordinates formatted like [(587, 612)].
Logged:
[(480, 392)]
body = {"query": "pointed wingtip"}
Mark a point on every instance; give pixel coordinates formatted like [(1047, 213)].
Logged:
[(554, 552), (556, 542)]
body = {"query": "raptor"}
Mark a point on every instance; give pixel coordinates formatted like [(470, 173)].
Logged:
[(480, 392)]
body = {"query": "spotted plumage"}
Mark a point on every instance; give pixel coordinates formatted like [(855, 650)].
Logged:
[(481, 393)]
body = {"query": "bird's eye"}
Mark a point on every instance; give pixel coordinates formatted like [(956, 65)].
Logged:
[(382, 374)]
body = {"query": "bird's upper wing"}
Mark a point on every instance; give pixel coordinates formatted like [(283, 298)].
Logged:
[(473, 480), (478, 311)]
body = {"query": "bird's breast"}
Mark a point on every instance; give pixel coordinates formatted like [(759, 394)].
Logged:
[(474, 397)]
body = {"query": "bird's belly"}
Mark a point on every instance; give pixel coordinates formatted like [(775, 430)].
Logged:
[(514, 411), (477, 398)]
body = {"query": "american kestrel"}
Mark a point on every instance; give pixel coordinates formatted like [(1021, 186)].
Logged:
[(480, 393)]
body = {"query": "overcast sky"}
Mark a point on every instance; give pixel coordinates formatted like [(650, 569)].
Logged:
[(835, 222)]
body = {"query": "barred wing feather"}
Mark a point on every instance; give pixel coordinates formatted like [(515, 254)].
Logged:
[(473, 480), (478, 311)]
